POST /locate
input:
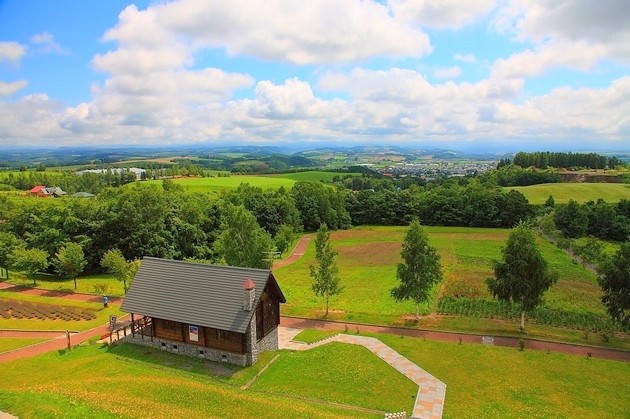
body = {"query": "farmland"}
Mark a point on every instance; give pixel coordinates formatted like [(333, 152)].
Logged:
[(367, 266), (580, 192), (210, 184), (483, 381)]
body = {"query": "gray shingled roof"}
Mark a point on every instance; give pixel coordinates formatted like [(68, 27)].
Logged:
[(194, 293)]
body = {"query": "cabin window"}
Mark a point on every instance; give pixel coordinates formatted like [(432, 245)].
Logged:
[(221, 334), (169, 325)]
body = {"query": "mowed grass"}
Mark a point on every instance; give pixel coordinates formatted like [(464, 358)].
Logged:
[(482, 381), (367, 265), (315, 176), (94, 381), (102, 314), (580, 192), (88, 284), (9, 344), (215, 184), (347, 374), (495, 382)]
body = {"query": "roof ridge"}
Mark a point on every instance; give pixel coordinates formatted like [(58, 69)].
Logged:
[(228, 267)]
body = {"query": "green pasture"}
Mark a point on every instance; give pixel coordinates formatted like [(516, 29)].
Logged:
[(367, 265), (580, 192), (482, 381), (214, 184), (495, 382), (97, 381), (315, 176), (102, 314), (347, 374), (9, 344), (88, 284)]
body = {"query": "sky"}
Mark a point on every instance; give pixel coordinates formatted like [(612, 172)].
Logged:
[(459, 74)]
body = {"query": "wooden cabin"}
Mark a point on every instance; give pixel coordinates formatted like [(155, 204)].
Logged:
[(222, 313)]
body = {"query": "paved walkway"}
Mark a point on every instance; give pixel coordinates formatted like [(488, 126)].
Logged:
[(431, 391)]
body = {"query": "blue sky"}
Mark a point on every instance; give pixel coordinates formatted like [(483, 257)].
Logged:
[(504, 74)]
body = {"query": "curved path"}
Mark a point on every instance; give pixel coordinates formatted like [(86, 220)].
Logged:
[(297, 252), (512, 342)]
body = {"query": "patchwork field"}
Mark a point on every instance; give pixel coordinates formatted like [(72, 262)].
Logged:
[(367, 264), (580, 192), (18, 311), (482, 381)]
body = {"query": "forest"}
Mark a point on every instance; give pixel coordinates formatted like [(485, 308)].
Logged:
[(166, 221)]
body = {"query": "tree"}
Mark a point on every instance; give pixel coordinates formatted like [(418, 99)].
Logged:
[(326, 275), (420, 269), (124, 270), (550, 202), (70, 261), (8, 242), (29, 260), (614, 278), (284, 238), (572, 219), (522, 277), (243, 242)]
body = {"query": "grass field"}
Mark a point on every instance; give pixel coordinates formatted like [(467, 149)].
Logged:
[(210, 184), (482, 381), (347, 374), (131, 381), (494, 382), (315, 176), (9, 344), (213, 184), (89, 284), (367, 266), (580, 192)]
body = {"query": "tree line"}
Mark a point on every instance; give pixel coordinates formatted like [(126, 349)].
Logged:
[(545, 159)]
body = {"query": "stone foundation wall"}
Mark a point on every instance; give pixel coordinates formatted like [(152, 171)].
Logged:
[(268, 343), (194, 351)]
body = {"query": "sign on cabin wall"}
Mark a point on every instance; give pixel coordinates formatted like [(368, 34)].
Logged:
[(193, 333)]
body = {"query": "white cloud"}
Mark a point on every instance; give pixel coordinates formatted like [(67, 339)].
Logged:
[(298, 32), (442, 14), (45, 43), (575, 55), (465, 58), (447, 72), (599, 24), (8, 89), (11, 51)]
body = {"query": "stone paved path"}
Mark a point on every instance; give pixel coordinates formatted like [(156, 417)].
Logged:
[(431, 391)]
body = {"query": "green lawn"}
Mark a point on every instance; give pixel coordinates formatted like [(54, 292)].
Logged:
[(367, 265), (342, 373), (102, 314), (495, 382), (315, 175), (209, 184), (130, 381), (89, 284), (312, 335), (482, 381), (9, 344), (580, 192)]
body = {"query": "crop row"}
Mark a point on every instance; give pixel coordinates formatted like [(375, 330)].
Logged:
[(507, 311)]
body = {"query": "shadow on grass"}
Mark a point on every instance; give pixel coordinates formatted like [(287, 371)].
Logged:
[(164, 359)]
